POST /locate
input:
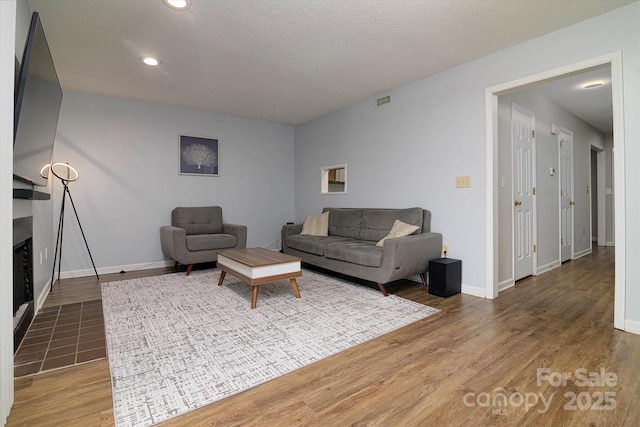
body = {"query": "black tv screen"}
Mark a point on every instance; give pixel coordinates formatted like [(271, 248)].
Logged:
[(38, 97)]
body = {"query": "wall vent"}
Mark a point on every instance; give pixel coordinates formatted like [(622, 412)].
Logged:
[(383, 101)]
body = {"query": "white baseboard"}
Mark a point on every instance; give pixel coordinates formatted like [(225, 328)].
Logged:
[(609, 244), (547, 267), (632, 326), (473, 290), (506, 284), (116, 269), (43, 296), (581, 253)]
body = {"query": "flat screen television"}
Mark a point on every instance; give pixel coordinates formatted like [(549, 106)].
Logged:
[(38, 96)]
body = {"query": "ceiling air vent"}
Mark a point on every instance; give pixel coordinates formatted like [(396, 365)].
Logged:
[(383, 101)]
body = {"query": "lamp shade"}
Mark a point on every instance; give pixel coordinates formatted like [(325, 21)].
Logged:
[(64, 171)]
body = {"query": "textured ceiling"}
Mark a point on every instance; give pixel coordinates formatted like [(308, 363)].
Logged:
[(284, 61)]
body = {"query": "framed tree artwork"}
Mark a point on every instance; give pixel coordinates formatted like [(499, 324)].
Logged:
[(198, 156)]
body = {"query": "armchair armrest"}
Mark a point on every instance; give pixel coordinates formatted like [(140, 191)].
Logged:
[(173, 241), (240, 231)]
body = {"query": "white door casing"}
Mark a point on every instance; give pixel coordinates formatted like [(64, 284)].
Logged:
[(614, 60), (524, 218), (565, 182)]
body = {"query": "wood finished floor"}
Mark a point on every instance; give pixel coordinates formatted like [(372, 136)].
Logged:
[(416, 376)]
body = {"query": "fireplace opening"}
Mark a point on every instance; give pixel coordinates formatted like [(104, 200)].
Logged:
[(23, 307)]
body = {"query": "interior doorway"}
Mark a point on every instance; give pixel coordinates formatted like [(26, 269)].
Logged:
[(495, 182), (565, 183)]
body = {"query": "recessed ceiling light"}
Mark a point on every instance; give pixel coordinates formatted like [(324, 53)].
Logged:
[(178, 4), (592, 84), (150, 60)]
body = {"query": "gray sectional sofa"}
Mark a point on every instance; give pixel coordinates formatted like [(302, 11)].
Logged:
[(350, 245)]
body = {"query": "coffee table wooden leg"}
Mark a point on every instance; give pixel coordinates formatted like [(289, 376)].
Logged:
[(254, 296), (221, 279), (294, 286)]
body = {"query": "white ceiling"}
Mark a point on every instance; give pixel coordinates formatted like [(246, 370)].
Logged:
[(594, 106), (285, 61)]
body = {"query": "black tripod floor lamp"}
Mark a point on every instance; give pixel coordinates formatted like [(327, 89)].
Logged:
[(66, 174)]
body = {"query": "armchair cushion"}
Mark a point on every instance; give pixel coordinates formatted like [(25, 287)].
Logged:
[(205, 242), (198, 220)]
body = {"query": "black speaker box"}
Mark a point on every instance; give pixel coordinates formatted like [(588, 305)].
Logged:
[(445, 276)]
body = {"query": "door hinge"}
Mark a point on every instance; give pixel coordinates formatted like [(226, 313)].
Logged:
[(534, 248), (534, 191), (533, 134), (562, 242)]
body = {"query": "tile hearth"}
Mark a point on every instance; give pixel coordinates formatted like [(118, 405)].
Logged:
[(62, 336)]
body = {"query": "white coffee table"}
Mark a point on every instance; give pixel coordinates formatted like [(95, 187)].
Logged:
[(257, 266)]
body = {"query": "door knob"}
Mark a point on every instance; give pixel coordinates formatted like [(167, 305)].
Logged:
[(517, 203)]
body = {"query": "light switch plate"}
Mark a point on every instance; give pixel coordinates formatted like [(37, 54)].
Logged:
[(463, 181)]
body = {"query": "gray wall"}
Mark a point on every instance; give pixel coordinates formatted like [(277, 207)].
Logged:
[(409, 152), (127, 155), (547, 198)]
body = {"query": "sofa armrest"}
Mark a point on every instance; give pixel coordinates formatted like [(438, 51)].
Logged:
[(411, 254), (240, 231), (289, 230), (173, 241)]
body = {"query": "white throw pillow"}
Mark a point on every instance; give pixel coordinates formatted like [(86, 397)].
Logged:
[(316, 225), (399, 229)]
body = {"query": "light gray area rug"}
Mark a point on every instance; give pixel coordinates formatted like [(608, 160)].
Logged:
[(176, 343)]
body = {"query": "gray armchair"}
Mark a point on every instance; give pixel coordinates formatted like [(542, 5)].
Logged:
[(196, 234)]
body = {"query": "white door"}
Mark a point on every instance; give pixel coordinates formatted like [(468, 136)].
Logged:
[(523, 142), (565, 149)]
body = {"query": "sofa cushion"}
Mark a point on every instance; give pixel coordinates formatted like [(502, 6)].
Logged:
[(376, 223), (344, 222), (356, 252), (399, 229), (206, 242), (316, 225), (312, 244), (198, 220)]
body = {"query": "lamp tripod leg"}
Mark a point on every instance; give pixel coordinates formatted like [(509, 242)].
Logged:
[(58, 243), (58, 252), (61, 234), (81, 231)]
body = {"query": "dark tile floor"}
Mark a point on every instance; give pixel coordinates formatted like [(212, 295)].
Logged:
[(62, 336)]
